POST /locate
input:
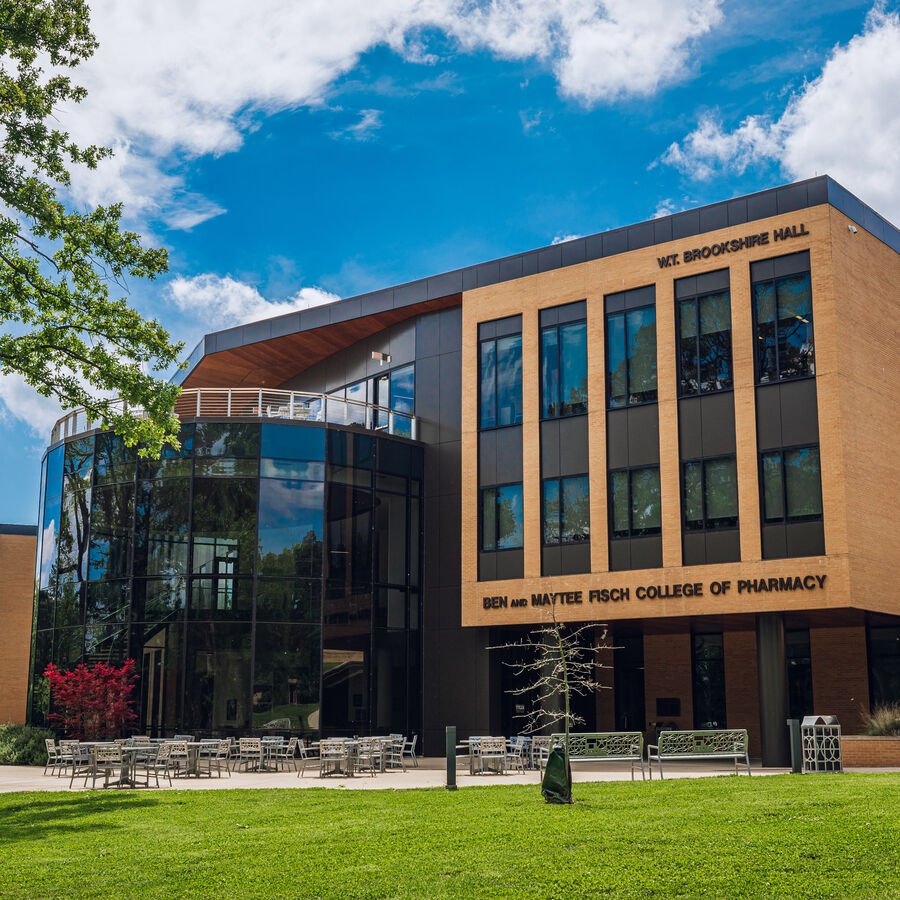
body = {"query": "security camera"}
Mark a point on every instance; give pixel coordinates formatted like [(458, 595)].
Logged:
[(851, 228)]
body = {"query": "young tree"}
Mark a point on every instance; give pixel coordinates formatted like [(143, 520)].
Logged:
[(59, 327), (555, 662), (94, 704)]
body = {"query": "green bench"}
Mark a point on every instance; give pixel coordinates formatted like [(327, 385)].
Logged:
[(680, 745), (610, 746)]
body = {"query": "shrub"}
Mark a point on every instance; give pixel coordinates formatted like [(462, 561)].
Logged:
[(23, 745), (883, 721)]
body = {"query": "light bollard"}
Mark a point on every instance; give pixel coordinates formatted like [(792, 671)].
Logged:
[(451, 758)]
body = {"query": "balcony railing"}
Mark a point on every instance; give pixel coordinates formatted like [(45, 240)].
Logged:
[(263, 403)]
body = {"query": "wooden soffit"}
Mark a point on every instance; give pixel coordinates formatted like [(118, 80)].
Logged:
[(271, 362)]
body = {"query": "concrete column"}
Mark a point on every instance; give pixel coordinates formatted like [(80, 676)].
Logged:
[(773, 694)]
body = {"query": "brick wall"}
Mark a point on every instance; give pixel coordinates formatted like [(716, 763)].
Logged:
[(17, 554), (667, 673), (876, 752), (840, 674), (742, 685)]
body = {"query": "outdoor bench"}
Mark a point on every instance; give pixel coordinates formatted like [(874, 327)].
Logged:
[(726, 744), (610, 746)]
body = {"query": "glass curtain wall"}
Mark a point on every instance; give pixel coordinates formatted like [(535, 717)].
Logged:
[(233, 571)]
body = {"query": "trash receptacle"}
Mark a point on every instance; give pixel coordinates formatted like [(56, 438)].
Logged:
[(821, 737)]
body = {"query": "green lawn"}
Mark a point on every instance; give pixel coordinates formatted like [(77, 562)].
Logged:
[(810, 836)]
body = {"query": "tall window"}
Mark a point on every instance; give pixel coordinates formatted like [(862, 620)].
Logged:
[(704, 336), (799, 671), (709, 681), (791, 485), (884, 664), (631, 356), (710, 494), (502, 519), (501, 381), (564, 370), (567, 515), (635, 503), (784, 328)]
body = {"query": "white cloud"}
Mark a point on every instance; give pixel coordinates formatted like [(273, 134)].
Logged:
[(364, 129), (562, 238), (845, 123), (172, 81), (218, 302), (21, 401)]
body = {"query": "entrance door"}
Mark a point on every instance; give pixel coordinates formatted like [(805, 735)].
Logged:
[(628, 682)]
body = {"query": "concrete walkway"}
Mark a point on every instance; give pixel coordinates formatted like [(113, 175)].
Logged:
[(431, 773)]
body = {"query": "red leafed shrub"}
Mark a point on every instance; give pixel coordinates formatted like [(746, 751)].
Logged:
[(93, 704)]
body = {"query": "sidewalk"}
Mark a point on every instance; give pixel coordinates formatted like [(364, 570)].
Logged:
[(431, 773)]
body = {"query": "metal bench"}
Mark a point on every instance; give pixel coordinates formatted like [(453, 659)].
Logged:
[(610, 746), (726, 744)]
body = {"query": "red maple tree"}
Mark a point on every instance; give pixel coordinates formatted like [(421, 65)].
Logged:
[(94, 704)]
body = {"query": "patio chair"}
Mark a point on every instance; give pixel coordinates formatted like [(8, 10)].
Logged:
[(409, 750), (184, 737), (334, 757), (65, 755), (250, 750), (216, 756), (206, 754), (540, 750), (53, 760), (286, 753), (368, 755), (302, 758), (393, 753), (155, 761), (82, 762), (515, 753), (179, 757), (271, 744), (106, 759), (493, 753)]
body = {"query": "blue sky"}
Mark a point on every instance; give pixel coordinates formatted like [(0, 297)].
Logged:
[(325, 149)]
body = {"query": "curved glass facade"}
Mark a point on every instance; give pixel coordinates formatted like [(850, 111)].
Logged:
[(265, 573)]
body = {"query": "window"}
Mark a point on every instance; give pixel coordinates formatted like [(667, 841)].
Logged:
[(567, 514), (710, 494), (791, 485), (501, 381), (784, 328), (502, 520), (635, 504), (799, 671), (884, 664), (709, 681), (631, 357), (704, 335), (395, 390), (563, 370)]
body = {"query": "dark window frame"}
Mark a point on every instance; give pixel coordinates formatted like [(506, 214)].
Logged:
[(779, 379), (495, 488), (784, 520), (556, 328), (695, 299), (559, 479), (707, 528), (481, 343), (624, 313), (632, 532)]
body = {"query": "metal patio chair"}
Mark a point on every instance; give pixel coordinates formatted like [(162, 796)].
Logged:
[(106, 759), (53, 759), (515, 753), (250, 750), (334, 758), (368, 755), (154, 762), (409, 750), (492, 753)]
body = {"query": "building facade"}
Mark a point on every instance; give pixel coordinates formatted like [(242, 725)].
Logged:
[(17, 550), (685, 430)]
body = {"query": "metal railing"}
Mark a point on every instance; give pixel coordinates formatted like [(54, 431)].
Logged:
[(262, 403)]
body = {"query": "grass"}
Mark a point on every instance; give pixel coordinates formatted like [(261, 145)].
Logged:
[(812, 836)]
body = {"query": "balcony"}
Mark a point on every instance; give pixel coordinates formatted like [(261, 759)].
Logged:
[(262, 403)]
